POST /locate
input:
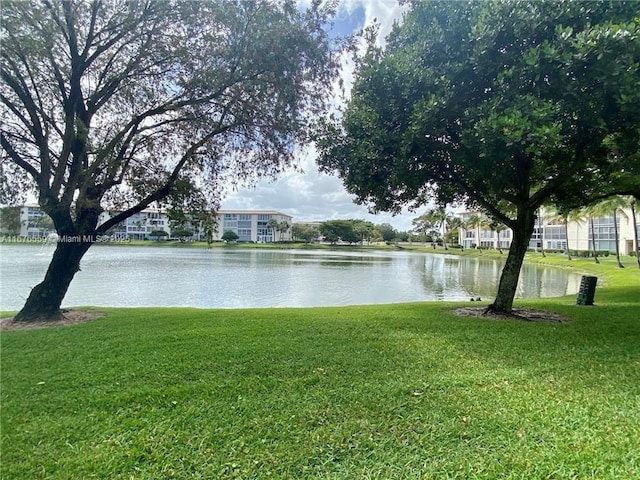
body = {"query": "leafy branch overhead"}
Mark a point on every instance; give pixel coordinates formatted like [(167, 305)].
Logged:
[(145, 93), (502, 106), (117, 105)]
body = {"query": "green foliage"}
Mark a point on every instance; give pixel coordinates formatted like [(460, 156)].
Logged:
[(589, 253), (500, 105), (348, 231), (488, 98), (278, 227), (386, 231), (158, 234), (10, 220), (181, 232), (230, 236), (405, 391), (304, 232), (109, 104), (434, 224)]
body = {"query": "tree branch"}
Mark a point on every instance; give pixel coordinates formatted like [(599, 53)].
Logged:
[(18, 160)]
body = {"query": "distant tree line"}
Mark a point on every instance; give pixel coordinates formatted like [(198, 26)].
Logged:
[(349, 231), (357, 231)]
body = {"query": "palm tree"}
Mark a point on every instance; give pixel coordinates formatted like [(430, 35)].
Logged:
[(611, 206), (489, 224), (555, 215), (586, 215), (454, 224), (541, 232), (424, 223), (593, 238), (636, 250), (273, 224), (595, 211), (283, 227), (442, 217), (475, 220), (497, 227)]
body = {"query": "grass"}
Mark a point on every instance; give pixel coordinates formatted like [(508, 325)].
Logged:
[(405, 391)]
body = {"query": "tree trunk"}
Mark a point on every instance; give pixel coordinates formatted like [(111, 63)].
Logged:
[(511, 271), (635, 232), (615, 231), (593, 240), (444, 235), (45, 298), (541, 234), (566, 235)]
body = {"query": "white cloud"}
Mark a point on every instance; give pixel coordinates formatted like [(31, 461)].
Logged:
[(314, 196), (384, 11)]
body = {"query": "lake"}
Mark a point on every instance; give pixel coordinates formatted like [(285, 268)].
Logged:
[(235, 277)]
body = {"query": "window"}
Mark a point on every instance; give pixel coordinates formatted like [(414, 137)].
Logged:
[(244, 234), (604, 232), (229, 225), (554, 232)]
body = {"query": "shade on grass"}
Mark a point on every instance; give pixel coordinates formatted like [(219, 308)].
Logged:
[(395, 391)]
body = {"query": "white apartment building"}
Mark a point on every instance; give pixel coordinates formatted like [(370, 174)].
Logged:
[(254, 225), (552, 235), (33, 222), (250, 225), (140, 225)]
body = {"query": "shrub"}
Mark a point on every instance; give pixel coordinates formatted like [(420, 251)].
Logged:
[(589, 253)]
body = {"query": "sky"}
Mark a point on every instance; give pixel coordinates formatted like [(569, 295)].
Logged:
[(308, 195)]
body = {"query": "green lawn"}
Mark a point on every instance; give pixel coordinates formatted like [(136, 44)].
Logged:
[(403, 391)]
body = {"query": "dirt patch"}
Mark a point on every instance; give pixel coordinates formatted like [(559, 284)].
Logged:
[(69, 317), (522, 314)]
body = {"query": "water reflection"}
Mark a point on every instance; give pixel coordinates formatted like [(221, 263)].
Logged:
[(443, 274), (162, 276)]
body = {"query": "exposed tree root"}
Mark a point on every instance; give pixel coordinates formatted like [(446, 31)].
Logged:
[(66, 317), (521, 314)]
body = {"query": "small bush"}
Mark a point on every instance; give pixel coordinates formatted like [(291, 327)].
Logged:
[(589, 253)]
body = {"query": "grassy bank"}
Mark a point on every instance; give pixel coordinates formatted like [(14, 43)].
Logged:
[(404, 391)]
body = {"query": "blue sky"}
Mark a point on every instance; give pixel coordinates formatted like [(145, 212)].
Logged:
[(310, 195)]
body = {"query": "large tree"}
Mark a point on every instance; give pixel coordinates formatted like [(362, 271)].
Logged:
[(501, 105), (117, 105)]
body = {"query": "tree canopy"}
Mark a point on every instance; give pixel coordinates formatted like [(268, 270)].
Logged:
[(10, 220), (502, 106), (305, 232), (230, 236), (122, 104)]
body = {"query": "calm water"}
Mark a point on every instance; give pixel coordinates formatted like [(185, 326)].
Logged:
[(161, 276)]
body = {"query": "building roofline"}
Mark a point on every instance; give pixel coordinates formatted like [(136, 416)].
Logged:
[(257, 212)]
